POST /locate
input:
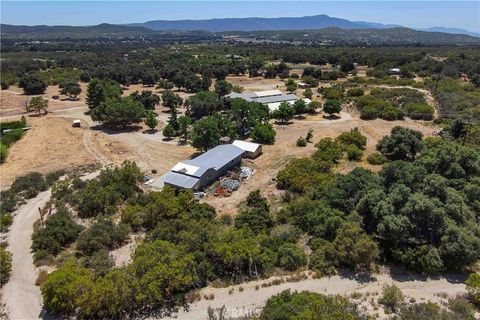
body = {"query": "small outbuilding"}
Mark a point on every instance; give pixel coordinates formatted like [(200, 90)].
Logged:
[(303, 85), (252, 150)]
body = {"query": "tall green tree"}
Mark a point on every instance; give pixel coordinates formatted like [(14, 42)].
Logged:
[(402, 144), (99, 90), (223, 87), (284, 112), (184, 122), (38, 104), (117, 112), (147, 98), (151, 119)]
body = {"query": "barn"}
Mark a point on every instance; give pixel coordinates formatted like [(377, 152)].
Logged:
[(200, 172)]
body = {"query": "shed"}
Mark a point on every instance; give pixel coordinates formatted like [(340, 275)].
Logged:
[(303, 85), (252, 150)]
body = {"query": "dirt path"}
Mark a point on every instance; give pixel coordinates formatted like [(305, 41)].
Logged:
[(22, 298), (250, 300)]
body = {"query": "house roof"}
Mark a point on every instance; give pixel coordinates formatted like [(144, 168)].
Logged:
[(245, 145), (268, 93), (281, 98), (180, 180), (249, 96), (214, 158)]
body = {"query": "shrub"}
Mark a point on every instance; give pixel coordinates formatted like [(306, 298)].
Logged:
[(369, 113), (331, 93), (473, 287), (53, 177), (5, 266), (291, 257), (11, 136), (332, 106), (42, 276), (353, 137), (6, 220), (420, 111), (391, 114), (355, 92), (31, 181), (392, 297), (376, 158), (263, 133), (3, 152), (103, 234), (59, 231), (301, 142), (307, 305), (462, 308), (354, 153)]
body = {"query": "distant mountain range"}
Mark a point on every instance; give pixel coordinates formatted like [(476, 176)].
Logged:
[(285, 23), (319, 29)]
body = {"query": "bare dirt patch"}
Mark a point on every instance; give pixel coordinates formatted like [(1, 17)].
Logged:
[(51, 144)]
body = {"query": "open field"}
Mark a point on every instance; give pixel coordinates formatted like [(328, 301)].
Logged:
[(51, 144)]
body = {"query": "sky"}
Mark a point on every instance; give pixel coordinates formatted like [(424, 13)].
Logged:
[(415, 14)]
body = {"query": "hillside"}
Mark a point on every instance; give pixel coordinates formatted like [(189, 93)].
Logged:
[(101, 30), (337, 36)]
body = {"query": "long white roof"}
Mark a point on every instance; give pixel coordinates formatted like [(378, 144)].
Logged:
[(245, 145), (183, 167), (268, 93)]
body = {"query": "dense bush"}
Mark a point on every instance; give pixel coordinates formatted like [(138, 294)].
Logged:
[(301, 142), (117, 112), (291, 257), (58, 232), (392, 298), (420, 311), (354, 153), (419, 111), (308, 305), (103, 234), (473, 287), (5, 266), (376, 158), (355, 92), (263, 133), (402, 144), (103, 194), (3, 152), (369, 113), (353, 137)]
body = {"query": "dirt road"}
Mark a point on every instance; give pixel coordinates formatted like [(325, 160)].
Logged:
[(250, 301), (21, 296)]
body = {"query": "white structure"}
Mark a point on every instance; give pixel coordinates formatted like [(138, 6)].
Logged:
[(76, 123), (394, 70), (303, 85), (252, 150), (271, 98)]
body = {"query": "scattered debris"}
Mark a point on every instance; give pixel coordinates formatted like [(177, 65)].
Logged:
[(230, 184)]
